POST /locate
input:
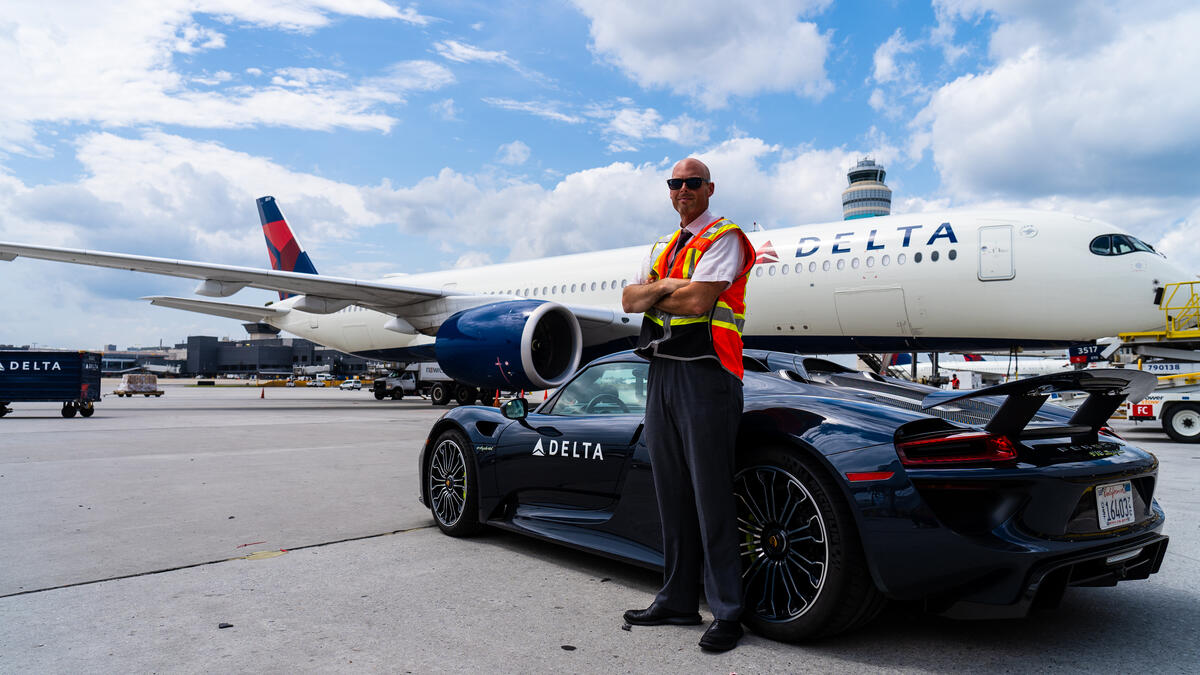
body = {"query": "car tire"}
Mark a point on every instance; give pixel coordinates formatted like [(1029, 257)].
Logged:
[(804, 569), (465, 395), (87, 409), (452, 486), (68, 410), (379, 396), (1182, 422), (439, 394)]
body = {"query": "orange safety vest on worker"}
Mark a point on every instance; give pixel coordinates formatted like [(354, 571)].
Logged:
[(715, 335)]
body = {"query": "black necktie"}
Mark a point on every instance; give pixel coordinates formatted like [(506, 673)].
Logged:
[(679, 244)]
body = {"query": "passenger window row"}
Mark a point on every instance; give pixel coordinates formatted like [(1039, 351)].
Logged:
[(563, 289), (870, 261)]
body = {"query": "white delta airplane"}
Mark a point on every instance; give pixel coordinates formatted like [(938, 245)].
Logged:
[(939, 281), (991, 369)]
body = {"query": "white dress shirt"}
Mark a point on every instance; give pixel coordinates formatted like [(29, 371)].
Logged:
[(721, 262)]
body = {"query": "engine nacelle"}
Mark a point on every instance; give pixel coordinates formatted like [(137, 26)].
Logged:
[(519, 344)]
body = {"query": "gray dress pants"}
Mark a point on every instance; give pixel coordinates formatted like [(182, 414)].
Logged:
[(692, 413)]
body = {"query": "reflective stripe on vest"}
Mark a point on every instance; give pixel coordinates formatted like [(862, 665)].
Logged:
[(716, 334)]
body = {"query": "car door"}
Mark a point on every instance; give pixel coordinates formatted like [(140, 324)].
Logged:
[(573, 451)]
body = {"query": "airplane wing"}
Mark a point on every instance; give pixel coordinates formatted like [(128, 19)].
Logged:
[(225, 280), (422, 309), (255, 313)]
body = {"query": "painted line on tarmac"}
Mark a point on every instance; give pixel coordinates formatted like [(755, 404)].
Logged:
[(260, 555)]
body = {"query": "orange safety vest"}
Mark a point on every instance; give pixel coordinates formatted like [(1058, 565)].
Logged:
[(715, 335)]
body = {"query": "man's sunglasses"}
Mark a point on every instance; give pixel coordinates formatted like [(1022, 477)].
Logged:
[(693, 183)]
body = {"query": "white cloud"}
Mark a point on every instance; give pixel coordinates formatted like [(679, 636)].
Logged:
[(685, 131), (305, 77), (219, 77), (473, 259), (878, 101), (512, 153), (461, 52), (1077, 27), (712, 50), (1181, 242), (1114, 121), (627, 126), (546, 109), (755, 181), (886, 68), (405, 76), (306, 15), (91, 63), (194, 38), (445, 109)]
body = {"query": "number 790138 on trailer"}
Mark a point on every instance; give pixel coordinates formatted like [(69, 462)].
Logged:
[(853, 488)]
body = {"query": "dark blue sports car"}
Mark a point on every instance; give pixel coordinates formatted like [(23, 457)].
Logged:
[(853, 488)]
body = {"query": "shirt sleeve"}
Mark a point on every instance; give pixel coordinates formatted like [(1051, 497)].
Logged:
[(722, 261), (644, 271)]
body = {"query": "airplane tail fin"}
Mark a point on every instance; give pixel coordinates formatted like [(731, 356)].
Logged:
[(282, 246)]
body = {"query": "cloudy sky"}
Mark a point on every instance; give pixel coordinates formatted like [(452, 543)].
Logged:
[(414, 137)]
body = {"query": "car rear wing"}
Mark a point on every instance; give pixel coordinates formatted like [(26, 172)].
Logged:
[(1107, 389)]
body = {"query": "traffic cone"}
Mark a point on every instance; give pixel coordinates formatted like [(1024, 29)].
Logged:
[(263, 393)]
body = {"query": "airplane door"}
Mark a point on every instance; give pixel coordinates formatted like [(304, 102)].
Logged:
[(872, 312), (996, 253)]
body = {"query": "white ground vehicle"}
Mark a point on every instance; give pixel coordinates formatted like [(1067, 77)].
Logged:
[(133, 384), (1178, 411), (354, 384), (427, 379)]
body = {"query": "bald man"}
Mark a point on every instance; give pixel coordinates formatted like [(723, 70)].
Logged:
[(693, 293)]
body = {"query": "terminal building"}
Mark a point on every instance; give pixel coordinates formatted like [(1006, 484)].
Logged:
[(209, 357), (867, 195), (262, 352)]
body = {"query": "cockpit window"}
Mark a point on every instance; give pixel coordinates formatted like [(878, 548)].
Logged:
[(1119, 244)]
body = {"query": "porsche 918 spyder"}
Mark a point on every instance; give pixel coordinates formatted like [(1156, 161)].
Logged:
[(852, 488)]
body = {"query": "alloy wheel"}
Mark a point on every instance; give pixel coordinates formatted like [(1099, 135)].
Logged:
[(448, 482), (782, 543)]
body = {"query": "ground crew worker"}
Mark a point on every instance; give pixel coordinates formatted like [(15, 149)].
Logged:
[(693, 293)]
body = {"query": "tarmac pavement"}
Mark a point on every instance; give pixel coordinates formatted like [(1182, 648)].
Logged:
[(132, 536)]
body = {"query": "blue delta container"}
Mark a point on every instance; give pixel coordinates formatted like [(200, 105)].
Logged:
[(70, 378)]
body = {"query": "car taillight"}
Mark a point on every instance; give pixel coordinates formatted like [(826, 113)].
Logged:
[(957, 449)]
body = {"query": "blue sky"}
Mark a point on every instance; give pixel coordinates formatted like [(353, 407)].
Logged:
[(423, 136)]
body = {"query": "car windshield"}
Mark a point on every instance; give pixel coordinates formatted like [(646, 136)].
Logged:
[(605, 389)]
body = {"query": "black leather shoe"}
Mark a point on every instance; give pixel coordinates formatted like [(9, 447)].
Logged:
[(721, 636), (654, 616)]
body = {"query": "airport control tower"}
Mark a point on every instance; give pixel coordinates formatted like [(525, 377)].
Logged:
[(867, 195)]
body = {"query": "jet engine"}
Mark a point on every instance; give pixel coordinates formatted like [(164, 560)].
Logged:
[(520, 344)]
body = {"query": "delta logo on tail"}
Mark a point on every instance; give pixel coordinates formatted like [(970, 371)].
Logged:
[(282, 248)]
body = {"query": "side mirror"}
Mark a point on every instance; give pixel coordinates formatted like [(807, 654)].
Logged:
[(516, 409)]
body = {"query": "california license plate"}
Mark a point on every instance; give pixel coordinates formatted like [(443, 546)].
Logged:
[(1114, 504)]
